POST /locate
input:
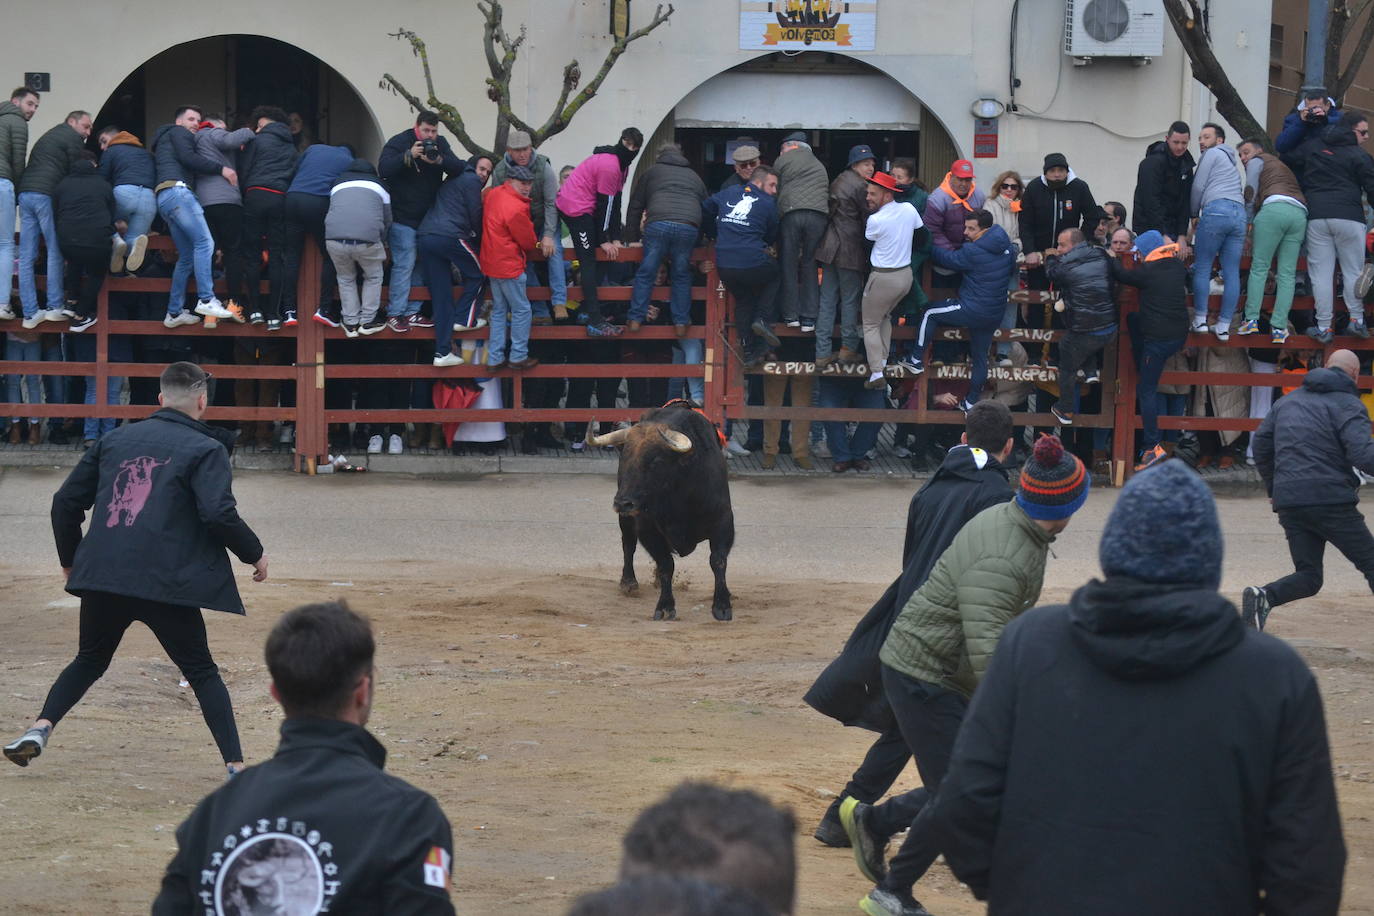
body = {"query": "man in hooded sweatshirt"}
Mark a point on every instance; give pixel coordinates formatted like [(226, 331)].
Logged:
[(1304, 451), (1055, 200), (938, 651), (222, 202), (84, 211), (131, 171), (269, 165), (1217, 200), (355, 230), (1139, 750), (971, 478), (667, 198), (589, 203)]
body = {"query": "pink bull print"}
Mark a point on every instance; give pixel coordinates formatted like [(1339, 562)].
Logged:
[(132, 487)]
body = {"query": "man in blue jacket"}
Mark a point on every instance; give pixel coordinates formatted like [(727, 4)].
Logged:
[(743, 219), (1306, 122), (164, 513), (448, 237), (985, 261), (1304, 451)]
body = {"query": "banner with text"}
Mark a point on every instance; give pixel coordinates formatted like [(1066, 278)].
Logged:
[(816, 25)]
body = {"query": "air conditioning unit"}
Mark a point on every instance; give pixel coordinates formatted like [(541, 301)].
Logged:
[(1113, 28)]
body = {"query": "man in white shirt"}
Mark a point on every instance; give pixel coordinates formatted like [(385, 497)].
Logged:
[(891, 227)]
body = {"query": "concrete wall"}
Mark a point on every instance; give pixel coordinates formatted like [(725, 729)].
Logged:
[(1101, 116)]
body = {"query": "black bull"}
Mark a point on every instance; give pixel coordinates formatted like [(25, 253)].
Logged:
[(673, 494)]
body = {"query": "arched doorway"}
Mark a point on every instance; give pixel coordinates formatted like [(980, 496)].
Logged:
[(230, 74), (839, 101)]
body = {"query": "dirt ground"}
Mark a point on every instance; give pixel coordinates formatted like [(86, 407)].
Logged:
[(541, 708)]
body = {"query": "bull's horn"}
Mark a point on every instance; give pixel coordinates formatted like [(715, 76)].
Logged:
[(678, 442), (612, 438)]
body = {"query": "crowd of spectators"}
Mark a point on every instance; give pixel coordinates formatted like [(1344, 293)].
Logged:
[(799, 250)]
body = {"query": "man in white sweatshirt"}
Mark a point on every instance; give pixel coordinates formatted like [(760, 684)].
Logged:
[(1218, 206), (891, 227)]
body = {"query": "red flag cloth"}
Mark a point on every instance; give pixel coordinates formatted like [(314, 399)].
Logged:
[(454, 395)]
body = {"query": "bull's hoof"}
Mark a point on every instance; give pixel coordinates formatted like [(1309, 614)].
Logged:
[(722, 613), (629, 587), (665, 613)]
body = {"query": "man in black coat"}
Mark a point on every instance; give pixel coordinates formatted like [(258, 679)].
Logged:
[(267, 166), (1304, 451), (352, 838), (970, 479), (1056, 200), (1082, 273), (1163, 183), (1140, 751), (164, 513), (84, 210)]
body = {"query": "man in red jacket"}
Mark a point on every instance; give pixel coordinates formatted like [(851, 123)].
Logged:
[(507, 235)]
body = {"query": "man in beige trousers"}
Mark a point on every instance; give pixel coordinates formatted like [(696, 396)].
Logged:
[(891, 226)]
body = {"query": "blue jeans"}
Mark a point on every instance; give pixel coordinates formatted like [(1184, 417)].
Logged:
[(1172, 405), (137, 206), (688, 351), (6, 239), (402, 242), (850, 392), (35, 218), (18, 350), (510, 313), (674, 241), (82, 349), (195, 246), (56, 350), (953, 313), (558, 284), (1221, 230), (437, 255), (1150, 356), (841, 289)]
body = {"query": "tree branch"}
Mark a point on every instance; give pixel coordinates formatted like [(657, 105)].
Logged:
[(447, 113), (1207, 70), (563, 114), (1357, 55)]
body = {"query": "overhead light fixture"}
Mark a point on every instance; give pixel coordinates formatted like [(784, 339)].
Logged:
[(987, 109)]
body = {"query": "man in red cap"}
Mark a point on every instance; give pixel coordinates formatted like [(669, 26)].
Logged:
[(946, 210), (891, 226)]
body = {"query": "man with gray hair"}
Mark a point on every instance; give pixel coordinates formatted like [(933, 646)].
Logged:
[(803, 202), (544, 213), (163, 515), (1304, 451)]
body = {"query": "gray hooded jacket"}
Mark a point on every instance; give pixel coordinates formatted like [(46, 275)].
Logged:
[(1217, 178), (222, 146), (359, 206)]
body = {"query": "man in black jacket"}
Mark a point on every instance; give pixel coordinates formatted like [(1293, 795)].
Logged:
[(1082, 275), (1056, 200), (351, 838), (667, 198), (1304, 451), (84, 210), (412, 165), (164, 513), (971, 478), (268, 165), (51, 159), (1140, 751), (1163, 183)]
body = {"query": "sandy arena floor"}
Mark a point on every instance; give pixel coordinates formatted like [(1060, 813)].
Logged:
[(540, 707)]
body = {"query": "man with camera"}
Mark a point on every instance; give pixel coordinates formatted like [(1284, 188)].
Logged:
[(413, 164), (1306, 122)]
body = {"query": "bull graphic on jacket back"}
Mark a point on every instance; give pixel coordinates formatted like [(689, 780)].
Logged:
[(132, 487), (673, 493)]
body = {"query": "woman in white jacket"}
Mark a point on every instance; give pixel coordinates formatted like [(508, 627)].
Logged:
[(1004, 203)]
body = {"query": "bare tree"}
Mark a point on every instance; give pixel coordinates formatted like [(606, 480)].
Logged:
[(501, 52), (1340, 24), (1191, 28)]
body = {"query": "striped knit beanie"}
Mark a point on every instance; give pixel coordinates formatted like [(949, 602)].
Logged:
[(1054, 483)]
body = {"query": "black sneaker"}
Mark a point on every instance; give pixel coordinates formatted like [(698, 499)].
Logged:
[(375, 326), (1254, 607), (350, 330), (830, 831), (324, 318), (29, 746), (882, 902), (764, 331), (869, 849), (81, 323)]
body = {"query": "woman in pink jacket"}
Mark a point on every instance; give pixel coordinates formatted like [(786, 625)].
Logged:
[(589, 203)]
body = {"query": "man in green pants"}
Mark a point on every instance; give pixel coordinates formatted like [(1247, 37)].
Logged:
[(1279, 211)]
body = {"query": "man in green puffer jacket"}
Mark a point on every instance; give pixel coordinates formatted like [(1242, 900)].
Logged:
[(14, 148), (938, 650)]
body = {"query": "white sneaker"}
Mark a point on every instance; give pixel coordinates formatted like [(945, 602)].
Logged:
[(820, 449), (481, 323), (6, 313), (1223, 331), (180, 318), (394, 446), (118, 249), (452, 359), (902, 451), (54, 314), (734, 448), (34, 320), (1200, 326), (212, 307), (134, 260), (374, 445)]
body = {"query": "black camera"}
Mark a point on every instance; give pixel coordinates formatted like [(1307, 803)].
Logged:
[(1316, 117), (429, 149)]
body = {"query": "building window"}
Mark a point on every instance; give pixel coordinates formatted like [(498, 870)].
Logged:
[(1276, 43)]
